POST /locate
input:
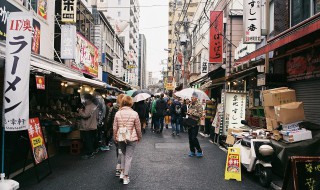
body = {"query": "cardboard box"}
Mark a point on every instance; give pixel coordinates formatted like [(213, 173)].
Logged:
[(272, 124), (276, 135), (274, 89), (291, 127), (230, 140), (290, 113), (269, 112), (299, 135), (279, 97)]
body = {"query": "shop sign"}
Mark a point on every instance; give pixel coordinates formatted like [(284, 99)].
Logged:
[(42, 9), (233, 164), (37, 141), (130, 55), (117, 71), (69, 11), (169, 86), (86, 57), (68, 41), (131, 66), (35, 44), (304, 66), (17, 71), (252, 21), (204, 68), (261, 80), (235, 107), (216, 38), (40, 82), (5, 9)]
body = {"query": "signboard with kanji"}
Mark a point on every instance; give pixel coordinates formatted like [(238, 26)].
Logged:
[(235, 107), (68, 41), (169, 86), (252, 21), (17, 71), (40, 81), (233, 164), (37, 141), (69, 11), (216, 38)]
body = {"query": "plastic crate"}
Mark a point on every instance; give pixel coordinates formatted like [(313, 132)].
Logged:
[(65, 129)]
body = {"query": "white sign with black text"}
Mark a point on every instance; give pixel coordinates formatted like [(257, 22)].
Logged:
[(252, 21), (68, 41), (204, 68), (69, 11)]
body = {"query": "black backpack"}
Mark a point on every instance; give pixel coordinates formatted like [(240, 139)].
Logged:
[(177, 109)]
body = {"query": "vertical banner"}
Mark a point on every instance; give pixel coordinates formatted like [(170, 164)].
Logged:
[(17, 71), (116, 67), (68, 41), (35, 43), (37, 141), (252, 21), (216, 38), (42, 8), (5, 9), (204, 68), (40, 81), (233, 164), (235, 107), (69, 11)]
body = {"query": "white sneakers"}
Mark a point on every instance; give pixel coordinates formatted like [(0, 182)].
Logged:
[(121, 176), (126, 181)]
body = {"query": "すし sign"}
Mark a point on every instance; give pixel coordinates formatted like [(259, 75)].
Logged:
[(37, 141), (17, 71)]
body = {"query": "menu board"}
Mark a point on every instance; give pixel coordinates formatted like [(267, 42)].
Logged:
[(37, 141)]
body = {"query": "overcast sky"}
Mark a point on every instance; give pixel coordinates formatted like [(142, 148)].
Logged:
[(154, 25)]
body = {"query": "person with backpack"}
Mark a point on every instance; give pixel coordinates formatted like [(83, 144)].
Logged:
[(167, 117), (160, 109), (176, 114)]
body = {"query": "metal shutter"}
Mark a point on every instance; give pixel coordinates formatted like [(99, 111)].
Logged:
[(308, 92)]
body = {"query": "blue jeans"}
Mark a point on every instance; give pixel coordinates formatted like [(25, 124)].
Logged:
[(175, 123), (160, 123)]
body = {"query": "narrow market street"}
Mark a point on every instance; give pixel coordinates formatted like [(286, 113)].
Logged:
[(160, 162)]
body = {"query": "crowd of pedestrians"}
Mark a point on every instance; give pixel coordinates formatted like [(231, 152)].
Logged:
[(103, 123)]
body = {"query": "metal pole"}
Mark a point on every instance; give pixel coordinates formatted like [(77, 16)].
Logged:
[(267, 28)]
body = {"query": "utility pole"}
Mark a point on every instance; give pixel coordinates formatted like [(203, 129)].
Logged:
[(184, 43)]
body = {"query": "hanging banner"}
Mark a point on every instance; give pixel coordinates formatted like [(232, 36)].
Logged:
[(37, 141), (68, 41), (69, 11), (235, 107), (35, 43), (233, 164), (17, 71), (42, 9), (216, 38), (252, 21), (86, 57), (40, 82)]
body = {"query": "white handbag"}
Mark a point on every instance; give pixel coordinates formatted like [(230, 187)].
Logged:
[(123, 133)]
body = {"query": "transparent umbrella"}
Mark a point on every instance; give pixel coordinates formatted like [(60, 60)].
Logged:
[(141, 97), (188, 92)]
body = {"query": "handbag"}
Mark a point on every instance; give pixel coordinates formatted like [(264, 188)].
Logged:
[(123, 132), (189, 122)]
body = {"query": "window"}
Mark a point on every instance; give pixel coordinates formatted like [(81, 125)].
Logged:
[(316, 5), (303, 9), (119, 2), (119, 13)]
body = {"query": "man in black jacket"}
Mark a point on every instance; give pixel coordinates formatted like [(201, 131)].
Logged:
[(141, 109), (176, 113), (161, 107)]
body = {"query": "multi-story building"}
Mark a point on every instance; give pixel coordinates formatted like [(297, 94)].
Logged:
[(142, 60), (128, 11)]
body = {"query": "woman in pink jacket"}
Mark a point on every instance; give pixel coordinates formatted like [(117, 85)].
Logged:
[(127, 117)]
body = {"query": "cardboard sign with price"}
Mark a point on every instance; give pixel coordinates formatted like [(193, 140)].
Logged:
[(233, 164)]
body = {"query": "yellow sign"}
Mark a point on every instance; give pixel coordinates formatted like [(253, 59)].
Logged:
[(131, 66), (233, 164), (169, 86)]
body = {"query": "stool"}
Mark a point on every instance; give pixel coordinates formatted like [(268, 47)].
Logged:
[(75, 147)]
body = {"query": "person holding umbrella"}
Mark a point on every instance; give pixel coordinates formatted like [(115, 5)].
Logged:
[(141, 108), (195, 111)]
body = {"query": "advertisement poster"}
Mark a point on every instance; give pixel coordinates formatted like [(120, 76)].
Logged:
[(235, 107), (304, 66), (42, 8), (40, 81), (37, 141), (233, 164), (35, 44), (216, 38), (5, 9), (17, 71), (252, 21), (86, 57)]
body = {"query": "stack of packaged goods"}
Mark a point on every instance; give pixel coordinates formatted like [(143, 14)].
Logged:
[(280, 107)]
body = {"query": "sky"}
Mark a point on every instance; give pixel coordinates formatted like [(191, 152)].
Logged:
[(154, 25)]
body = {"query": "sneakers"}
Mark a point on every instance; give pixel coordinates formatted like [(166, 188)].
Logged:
[(118, 173), (121, 176), (104, 148), (199, 154), (192, 154), (126, 181)]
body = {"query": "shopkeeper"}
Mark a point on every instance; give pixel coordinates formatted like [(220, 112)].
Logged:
[(88, 125)]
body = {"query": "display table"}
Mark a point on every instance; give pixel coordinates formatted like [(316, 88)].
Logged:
[(285, 150)]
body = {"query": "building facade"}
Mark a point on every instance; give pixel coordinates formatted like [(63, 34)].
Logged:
[(142, 60)]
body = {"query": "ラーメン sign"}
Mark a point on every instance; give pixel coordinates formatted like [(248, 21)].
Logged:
[(17, 71)]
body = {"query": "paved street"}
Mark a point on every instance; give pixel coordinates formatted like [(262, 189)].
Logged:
[(160, 162)]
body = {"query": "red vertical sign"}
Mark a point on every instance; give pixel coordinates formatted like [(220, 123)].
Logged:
[(40, 81), (37, 141), (216, 38)]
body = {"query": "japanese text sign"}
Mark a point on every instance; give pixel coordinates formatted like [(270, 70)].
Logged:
[(35, 43), (86, 57), (233, 167), (216, 38), (69, 11), (17, 71), (252, 21), (40, 81), (37, 141), (204, 68), (235, 106), (68, 41), (5, 9)]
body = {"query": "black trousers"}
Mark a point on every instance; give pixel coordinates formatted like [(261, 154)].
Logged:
[(193, 140), (207, 126), (88, 138)]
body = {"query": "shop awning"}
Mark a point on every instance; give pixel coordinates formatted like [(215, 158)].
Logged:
[(122, 83), (243, 74), (300, 30), (65, 73)]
